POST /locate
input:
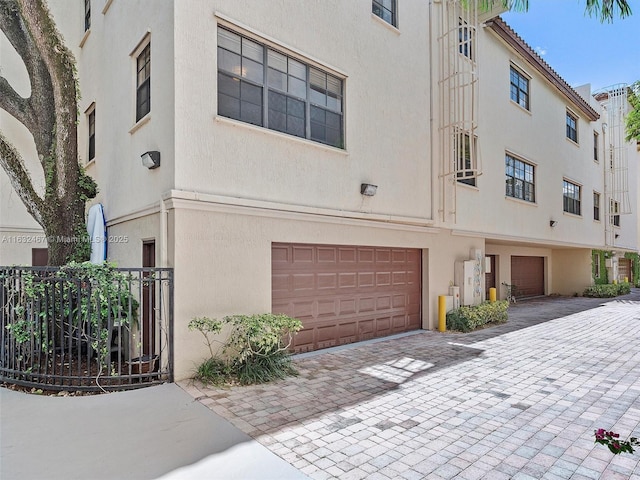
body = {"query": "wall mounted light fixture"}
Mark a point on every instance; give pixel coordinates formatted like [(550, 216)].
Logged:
[(368, 189), (552, 223), (617, 235), (151, 160)]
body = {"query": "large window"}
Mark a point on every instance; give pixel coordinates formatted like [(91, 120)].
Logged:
[(571, 196), (520, 179), (519, 88), (465, 173), (572, 127), (596, 206), (261, 86), (143, 83), (386, 10)]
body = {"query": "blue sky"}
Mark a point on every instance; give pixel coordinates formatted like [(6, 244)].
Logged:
[(578, 47)]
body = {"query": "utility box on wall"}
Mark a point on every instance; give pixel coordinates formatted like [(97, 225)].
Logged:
[(464, 279)]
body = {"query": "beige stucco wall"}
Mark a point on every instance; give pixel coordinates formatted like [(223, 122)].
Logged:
[(537, 136), (223, 260), (386, 125), (572, 270)]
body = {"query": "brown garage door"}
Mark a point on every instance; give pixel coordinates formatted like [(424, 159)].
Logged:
[(527, 274), (345, 294)]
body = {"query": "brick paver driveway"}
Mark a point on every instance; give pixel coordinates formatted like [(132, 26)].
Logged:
[(516, 401)]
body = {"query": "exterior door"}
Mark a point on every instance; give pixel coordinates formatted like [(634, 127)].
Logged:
[(148, 299), (490, 277)]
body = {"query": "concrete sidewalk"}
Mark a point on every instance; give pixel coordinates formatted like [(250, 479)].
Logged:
[(155, 432)]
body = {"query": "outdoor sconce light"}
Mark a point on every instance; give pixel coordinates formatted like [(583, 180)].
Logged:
[(552, 223), (368, 190), (617, 235), (151, 159)]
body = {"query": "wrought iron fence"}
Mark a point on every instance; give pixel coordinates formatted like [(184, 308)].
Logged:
[(79, 329)]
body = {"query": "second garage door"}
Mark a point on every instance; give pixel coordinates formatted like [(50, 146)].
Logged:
[(345, 294), (527, 274)]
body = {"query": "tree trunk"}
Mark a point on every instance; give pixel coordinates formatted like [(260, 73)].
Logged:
[(50, 114)]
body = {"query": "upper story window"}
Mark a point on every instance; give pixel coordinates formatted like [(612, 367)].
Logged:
[(465, 172), (465, 40), (571, 197), (596, 206), (615, 212), (572, 127), (87, 15), (143, 82), (261, 86), (92, 134), (519, 88), (520, 179), (386, 10), (596, 157)]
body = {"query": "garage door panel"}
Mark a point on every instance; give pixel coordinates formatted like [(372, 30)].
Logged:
[(347, 306), (367, 305), (303, 309), (347, 280), (327, 307), (345, 294), (327, 280), (348, 255), (366, 280)]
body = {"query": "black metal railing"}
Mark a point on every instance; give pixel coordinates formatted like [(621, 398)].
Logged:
[(86, 328)]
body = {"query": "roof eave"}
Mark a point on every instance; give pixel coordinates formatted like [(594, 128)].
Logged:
[(507, 34)]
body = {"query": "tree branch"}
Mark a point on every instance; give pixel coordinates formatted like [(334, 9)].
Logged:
[(37, 114), (20, 179), (60, 67), (14, 104)]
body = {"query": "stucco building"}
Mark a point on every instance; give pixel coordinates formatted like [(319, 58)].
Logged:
[(337, 161)]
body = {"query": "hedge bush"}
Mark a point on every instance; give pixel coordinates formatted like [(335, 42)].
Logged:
[(467, 318), (256, 350), (607, 291)]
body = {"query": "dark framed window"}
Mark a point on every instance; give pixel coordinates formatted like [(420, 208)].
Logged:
[(571, 197), (465, 171), (596, 206), (386, 10), (87, 15), (92, 135), (519, 88), (465, 39), (265, 87), (572, 127), (596, 142), (520, 179), (615, 212), (143, 83)]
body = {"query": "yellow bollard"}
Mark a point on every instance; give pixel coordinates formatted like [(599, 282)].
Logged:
[(492, 294), (442, 313), (626, 279)]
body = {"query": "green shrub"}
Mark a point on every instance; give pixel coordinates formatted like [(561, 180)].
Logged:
[(467, 318), (256, 351), (607, 291)]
